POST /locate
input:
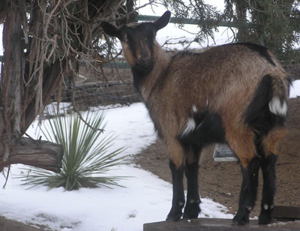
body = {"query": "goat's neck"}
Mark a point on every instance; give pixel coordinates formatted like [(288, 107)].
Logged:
[(161, 61)]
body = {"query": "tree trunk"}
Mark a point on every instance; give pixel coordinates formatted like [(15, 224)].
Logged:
[(16, 112), (241, 11), (44, 41), (38, 153)]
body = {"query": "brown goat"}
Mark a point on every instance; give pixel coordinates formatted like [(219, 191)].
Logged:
[(234, 94)]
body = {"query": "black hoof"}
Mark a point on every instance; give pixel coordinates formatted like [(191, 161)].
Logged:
[(265, 218), (172, 216), (175, 213), (241, 218), (191, 210)]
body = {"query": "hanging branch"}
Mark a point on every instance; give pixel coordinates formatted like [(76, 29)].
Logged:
[(44, 43)]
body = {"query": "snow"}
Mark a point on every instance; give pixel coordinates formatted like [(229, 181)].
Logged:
[(295, 89), (176, 32), (1, 46), (144, 197)]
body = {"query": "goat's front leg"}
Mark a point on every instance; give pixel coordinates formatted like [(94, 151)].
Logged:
[(192, 207), (178, 192), (269, 188), (248, 191)]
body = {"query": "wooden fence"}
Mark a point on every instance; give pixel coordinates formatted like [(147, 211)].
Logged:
[(286, 218)]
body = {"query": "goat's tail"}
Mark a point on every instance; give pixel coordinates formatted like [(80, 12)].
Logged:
[(268, 107), (280, 91)]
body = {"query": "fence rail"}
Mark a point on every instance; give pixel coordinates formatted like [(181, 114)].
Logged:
[(191, 21)]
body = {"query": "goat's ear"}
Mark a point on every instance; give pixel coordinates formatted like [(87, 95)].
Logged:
[(111, 30), (162, 21)]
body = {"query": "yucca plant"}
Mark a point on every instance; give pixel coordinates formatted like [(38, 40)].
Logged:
[(86, 158)]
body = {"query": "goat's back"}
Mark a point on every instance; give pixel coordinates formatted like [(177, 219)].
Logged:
[(221, 75), (222, 79)]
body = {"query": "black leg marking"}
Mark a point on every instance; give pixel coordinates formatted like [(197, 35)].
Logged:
[(192, 208), (268, 166), (178, 193), (248, 192)]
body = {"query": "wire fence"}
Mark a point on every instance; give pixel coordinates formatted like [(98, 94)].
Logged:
[(92, 89), (84, 96)]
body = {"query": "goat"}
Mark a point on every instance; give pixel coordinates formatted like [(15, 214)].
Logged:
[(234, 94)]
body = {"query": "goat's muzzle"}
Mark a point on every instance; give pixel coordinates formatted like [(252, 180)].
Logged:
[(144, 65)]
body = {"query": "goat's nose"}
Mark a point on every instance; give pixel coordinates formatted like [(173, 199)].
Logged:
[(143, 53), (143, 56), (144, 60), (139, 56)]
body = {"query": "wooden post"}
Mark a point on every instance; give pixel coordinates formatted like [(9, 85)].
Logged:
[(286, 213), (211, 224)]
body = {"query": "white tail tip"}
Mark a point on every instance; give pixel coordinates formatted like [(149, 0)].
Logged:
[(277, 107)]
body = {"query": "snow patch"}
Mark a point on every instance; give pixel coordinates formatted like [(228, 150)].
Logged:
[(145, 198), (295, 89)]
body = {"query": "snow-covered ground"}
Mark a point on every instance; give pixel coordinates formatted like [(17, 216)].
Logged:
[(145, 197)]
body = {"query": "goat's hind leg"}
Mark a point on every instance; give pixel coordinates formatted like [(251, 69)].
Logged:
[(269, 188), (248, 191), (192, 207), (268, 165), (178, 192)]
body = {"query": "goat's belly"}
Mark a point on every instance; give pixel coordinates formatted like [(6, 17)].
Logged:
[(203, 129)]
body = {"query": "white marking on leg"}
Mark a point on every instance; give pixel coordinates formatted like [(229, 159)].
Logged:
[(277, 107), (190, 126), (181, 203), (266, 207), (194, 109)]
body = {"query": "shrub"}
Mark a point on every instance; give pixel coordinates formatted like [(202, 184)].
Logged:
[(87, 157)]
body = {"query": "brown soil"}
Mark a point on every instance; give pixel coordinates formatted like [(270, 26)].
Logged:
[(221, 181), (10, 225)]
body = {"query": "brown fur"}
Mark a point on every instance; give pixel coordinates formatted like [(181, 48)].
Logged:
[(222, 79), (234, 93), (271, 141), (128, 54)]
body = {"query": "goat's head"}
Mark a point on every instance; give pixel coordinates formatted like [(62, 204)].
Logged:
[(137, 39)]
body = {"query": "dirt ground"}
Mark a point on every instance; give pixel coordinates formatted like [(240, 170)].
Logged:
[(10, 225), (221, 181)]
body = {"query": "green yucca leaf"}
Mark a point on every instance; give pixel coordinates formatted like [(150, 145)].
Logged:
[(86, 154)]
